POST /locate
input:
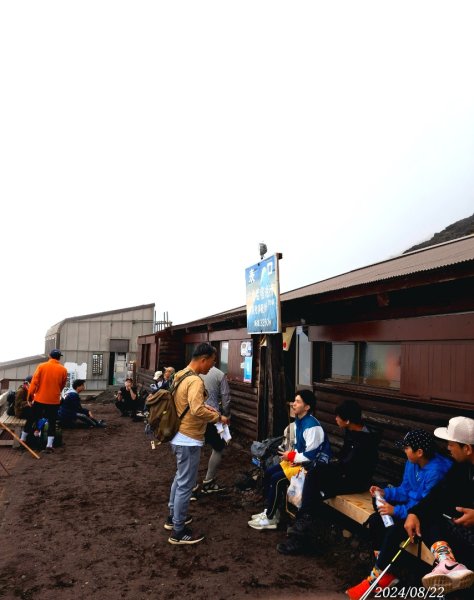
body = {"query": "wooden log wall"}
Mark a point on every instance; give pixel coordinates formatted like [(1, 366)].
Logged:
[(393, 417), (244, 409)]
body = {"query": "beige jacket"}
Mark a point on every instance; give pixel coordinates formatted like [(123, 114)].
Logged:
[(192, 391)]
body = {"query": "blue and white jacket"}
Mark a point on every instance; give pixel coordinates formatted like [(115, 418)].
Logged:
[(312, 443), (416, 484)]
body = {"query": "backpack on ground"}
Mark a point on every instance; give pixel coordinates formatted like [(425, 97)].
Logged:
[(162, 419), (41, 434)]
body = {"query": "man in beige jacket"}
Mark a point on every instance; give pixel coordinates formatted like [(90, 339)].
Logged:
[(186, 445)]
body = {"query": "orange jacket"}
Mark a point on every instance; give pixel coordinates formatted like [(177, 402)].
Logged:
[(48, 381)]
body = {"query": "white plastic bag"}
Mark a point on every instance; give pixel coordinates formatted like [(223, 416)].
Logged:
[(294, 493)]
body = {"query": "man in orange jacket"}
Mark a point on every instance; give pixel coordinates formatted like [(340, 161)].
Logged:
[(44, 393)]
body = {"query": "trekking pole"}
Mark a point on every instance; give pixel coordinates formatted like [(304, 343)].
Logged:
[(374, 583), (15, 437)]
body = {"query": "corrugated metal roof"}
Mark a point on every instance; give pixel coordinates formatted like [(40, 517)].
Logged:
[(21, 362), (57, 326), (425, 259)]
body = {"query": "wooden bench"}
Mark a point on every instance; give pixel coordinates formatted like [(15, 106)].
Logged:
[(16, 425), (358, 507)]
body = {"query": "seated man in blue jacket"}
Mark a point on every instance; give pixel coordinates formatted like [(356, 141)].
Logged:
[(311, 445), (71, 413)]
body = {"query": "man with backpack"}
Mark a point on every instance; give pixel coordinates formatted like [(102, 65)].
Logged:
[(189, 397)]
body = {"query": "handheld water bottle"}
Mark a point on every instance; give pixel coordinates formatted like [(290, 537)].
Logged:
[(379, 501)]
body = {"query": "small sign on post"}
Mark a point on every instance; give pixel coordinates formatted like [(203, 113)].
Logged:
[(263, 296)]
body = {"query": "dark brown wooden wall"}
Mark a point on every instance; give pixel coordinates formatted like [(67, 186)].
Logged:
[(392, 416), (244, 409), (439, 371)]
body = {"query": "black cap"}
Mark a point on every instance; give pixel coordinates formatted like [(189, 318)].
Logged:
[(28, 378), (55, 354), (416, 439)]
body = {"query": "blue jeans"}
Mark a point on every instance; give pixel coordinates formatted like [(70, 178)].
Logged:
[(187, 462)]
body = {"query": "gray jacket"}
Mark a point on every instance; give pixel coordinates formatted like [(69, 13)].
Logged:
[(218, 389)]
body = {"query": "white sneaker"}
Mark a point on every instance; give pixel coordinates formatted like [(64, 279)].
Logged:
[(449, 576), (265, 523), (259, 516)]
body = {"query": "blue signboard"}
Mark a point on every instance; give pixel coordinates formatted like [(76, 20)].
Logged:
[(248, 369), (263, 296)]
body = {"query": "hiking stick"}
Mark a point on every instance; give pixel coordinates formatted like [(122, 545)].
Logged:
[(374, 583), (14, 435)]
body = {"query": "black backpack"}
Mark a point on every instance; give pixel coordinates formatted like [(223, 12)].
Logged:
[(162, 419), (11, 403)]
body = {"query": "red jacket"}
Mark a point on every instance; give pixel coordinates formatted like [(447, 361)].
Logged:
[(48, 381)]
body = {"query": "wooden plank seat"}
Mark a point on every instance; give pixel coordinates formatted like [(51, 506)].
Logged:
[(358, 507), (13, 423)]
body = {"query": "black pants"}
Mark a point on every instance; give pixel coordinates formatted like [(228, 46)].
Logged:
[(325, 481), (82, 420), (212, 438), (275, 485), (27, 413), (385, 539)]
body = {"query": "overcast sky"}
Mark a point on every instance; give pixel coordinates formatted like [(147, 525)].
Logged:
[(146, 148)]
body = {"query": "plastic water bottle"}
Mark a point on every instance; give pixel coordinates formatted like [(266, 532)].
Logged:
[(379, 501)]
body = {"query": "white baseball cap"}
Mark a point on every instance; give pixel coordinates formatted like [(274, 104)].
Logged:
[(157, 374), (459, 429)]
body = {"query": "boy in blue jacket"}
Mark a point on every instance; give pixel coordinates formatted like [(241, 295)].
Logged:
[(424, 469), (311, 445)]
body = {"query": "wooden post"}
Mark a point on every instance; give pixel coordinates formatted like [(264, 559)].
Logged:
[(275, 388)]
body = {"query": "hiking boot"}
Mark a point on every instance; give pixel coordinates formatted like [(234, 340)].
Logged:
[(265, 522), (302, 526), (184, 537), (448, 576), (292, 547), (211, 487), (359, 590), (169, 522)]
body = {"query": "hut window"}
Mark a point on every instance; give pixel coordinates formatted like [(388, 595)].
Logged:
[(365, 363), (224, 357)]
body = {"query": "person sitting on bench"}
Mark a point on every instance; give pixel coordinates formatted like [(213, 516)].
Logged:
[(423, 470), (350, 473), (447, 514), (311, 445)]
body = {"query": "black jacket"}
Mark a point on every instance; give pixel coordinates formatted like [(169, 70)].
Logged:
[(358, 457), (456, 489)]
